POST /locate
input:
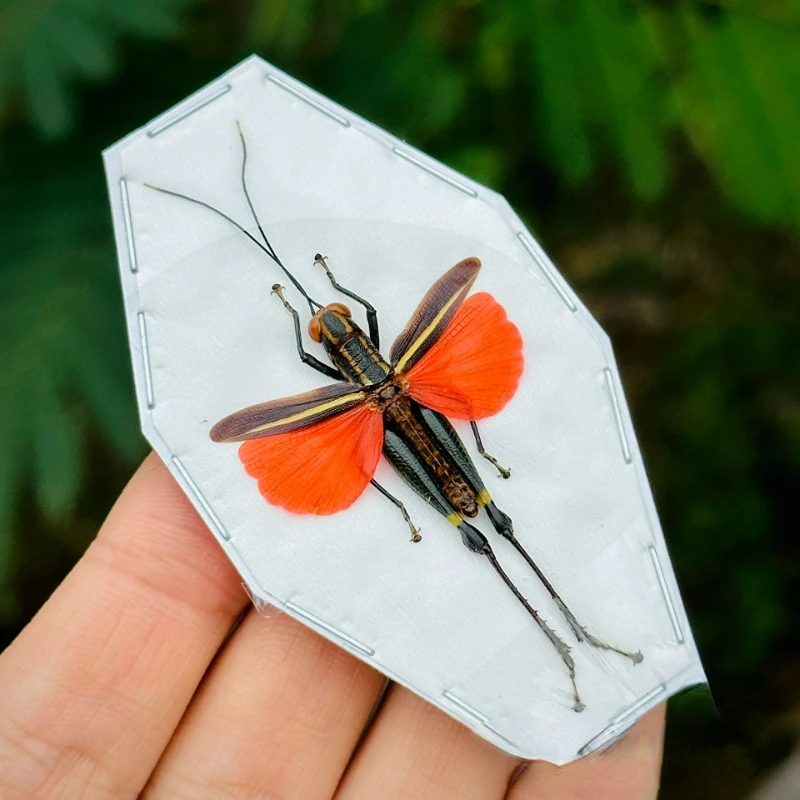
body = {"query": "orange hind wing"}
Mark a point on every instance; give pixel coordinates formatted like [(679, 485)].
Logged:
[(318, 469), (475, 366)]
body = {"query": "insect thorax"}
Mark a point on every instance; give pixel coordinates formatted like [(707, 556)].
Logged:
[(351, 350)]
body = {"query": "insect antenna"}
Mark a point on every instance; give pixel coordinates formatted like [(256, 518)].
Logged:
[(267, 245), (247, 193)]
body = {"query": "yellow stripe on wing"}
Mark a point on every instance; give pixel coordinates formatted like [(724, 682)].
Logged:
[(425, 335), (309, 412)]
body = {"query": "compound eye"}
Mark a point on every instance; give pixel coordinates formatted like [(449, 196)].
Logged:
[(341, 308), (315, 328)]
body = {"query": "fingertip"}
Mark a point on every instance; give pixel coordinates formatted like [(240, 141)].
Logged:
[(631, 767)]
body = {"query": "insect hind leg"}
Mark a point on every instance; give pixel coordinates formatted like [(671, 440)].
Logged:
[(580, 631), (452, 443), (409, 466), (476, 542), (501, 522)]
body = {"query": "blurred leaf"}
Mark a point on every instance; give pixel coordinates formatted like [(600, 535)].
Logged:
[(48, 101), (483, 164), (59, 461), (66, 371), (623, 70), (46, 45), (609, 83), (562, 110), (282, 25), (727, 119), (13, 474)]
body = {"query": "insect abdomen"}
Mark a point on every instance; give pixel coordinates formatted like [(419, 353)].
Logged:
[(405, 421), (406, 460)]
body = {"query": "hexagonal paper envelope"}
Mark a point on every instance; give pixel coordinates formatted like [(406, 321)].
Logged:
[(209, 339)]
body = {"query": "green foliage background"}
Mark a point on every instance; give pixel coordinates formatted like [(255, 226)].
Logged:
[(653, 144)]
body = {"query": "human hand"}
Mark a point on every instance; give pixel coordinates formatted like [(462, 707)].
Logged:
[(135, 678)]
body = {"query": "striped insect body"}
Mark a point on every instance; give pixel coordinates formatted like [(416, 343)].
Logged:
[(459, 357)]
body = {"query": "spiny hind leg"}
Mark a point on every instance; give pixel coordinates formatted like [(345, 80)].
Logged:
[(409, 466), (580, 631), (505, 472), (583, 635), (476, 542), (415, 535), (503, 525)]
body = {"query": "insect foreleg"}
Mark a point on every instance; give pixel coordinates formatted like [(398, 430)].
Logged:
[(504, 471), (372, 314), (415, 537), (306, 358)]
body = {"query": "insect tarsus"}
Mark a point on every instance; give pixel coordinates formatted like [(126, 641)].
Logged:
[(505, 472)]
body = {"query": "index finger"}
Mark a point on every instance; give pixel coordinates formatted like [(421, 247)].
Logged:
[(93, 688)]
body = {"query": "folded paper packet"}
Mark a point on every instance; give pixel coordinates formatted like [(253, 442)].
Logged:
[(484, 328)]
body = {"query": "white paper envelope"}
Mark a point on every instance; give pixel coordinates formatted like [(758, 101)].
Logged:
[(208, 339)]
